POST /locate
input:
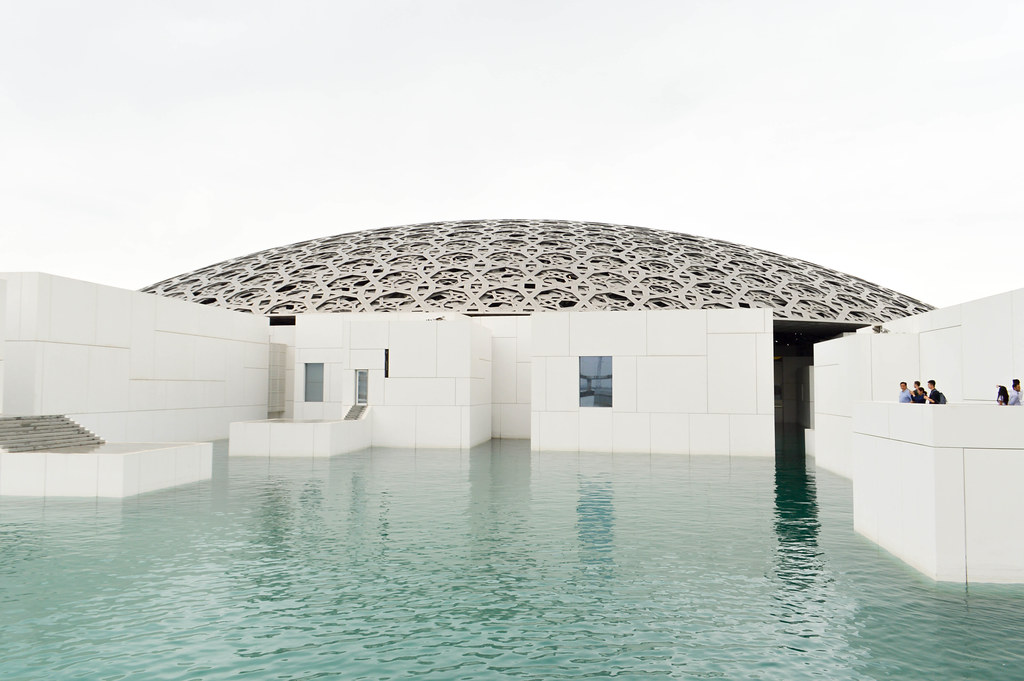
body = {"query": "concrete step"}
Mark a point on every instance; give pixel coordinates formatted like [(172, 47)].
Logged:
[(355, 412), (47, 436), (42, 428), (48, 445), (48, 425), (67, 437), (38, 433), (44, 425)]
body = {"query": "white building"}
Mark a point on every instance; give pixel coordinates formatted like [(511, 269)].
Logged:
[(578, 336), (575, 335)]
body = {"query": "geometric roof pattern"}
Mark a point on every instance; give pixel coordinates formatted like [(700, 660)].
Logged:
[(519, 266)]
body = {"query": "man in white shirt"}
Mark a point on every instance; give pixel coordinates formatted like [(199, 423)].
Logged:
[(1015, 393), (904, 393)]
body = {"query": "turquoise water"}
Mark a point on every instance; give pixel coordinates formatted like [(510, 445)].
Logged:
[(484, 565)]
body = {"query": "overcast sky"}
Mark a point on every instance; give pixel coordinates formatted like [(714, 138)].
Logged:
[(139, 140)]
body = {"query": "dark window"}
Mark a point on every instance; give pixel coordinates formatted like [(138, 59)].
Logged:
[(315, 382), (595, 381), (362, 381), (387, 362)]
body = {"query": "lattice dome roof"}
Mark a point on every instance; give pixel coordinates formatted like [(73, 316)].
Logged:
[(518, 266)]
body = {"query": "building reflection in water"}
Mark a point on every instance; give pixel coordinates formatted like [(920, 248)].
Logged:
[(595, 524), (799, 568), (499, 501)]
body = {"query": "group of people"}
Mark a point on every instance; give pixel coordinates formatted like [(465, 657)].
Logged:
[(919, 395), (1009, 397)]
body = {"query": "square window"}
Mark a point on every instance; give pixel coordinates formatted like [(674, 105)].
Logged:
[(595, 381)]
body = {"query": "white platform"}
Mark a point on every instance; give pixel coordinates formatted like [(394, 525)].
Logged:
[(121, 469), (939, 487), (296, 438)]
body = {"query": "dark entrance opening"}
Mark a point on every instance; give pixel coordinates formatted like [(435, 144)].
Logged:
[(794, 390)]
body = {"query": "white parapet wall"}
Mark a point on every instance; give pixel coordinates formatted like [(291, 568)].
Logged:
[(288, 438), (437, 391), (112, 470), (939, 487), (3, 325), (130, 366), (683, 381)]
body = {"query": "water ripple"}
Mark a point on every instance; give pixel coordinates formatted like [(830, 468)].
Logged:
[(496, 563)]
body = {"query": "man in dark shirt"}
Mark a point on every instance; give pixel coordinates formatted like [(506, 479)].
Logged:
[(918, 396), (933, 393)]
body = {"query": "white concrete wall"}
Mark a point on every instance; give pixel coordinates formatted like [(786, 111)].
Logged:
[(276, 379), (318, 439), (856, 367), (131, 366), (968, 349), (510, 375), (940, 487), (438, 393), (686, 381), (285, 335), (3, 325), (972, 347), (104, 473)]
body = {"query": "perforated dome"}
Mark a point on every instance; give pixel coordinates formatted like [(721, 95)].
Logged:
[(521, 266)]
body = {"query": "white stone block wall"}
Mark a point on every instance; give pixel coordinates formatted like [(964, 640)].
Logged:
[(104, 473), (684, 381), (285, 335), (968, 349), (437, 393), (131, 366), (510, 375), (276, 379), (856, 367), (971, 347), (939, 488), (3, 324), (287, 438)]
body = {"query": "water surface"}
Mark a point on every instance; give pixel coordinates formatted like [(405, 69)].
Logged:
[(493, 563)]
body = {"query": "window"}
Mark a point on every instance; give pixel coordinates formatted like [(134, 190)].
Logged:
[(595, 381), (315, 382), (362, 379)]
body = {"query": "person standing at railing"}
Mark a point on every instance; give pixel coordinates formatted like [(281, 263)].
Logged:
[(934, 396), (904, 397), (1015, 393)]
